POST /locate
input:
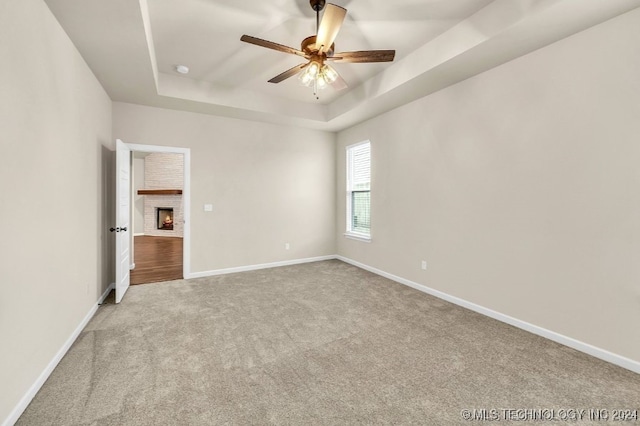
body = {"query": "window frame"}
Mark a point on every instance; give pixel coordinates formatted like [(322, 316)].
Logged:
[(350, 233)]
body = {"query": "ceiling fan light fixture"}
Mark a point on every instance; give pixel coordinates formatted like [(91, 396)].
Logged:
[(321, 82), (306, 79), (310, 74), (329, 74), (313, 69)]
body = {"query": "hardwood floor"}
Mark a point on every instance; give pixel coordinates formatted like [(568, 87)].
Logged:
[(157, 259)]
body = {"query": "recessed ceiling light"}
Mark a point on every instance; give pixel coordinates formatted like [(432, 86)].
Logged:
[(182, 69)]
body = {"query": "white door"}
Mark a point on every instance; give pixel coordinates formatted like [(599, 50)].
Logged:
[(123, 188)]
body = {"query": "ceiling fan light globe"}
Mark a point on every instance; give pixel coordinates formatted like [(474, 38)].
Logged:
[(306, 78), (313, 69), (330, 75), (322, 83)]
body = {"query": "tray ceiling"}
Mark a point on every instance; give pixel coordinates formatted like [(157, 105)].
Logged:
[(134, 46)]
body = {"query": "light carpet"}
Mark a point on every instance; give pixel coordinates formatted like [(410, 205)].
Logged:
[(318, 343)]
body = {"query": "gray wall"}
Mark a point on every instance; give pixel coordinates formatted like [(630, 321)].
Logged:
[(55, 170), (269, 185), (520, 187)]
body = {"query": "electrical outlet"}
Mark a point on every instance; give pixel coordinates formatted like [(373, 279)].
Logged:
[(424, 265), (287, 246), (208, 207)]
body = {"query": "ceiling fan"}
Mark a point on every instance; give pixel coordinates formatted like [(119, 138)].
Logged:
[(319, 49)]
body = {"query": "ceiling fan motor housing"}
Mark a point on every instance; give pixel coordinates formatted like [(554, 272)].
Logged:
[(317, 5), (309, 47)]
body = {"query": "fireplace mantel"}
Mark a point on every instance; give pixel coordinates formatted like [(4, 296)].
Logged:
[(159, 191)]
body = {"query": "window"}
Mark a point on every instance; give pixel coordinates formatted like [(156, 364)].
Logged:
[(359, 190)]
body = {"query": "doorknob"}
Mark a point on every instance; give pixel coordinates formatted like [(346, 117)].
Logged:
[(114, 229), (123, 229)]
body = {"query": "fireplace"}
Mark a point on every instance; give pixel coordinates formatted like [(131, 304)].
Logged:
[(164, 218)]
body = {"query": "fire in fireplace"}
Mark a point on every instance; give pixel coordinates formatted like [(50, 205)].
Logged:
[(164, 217)]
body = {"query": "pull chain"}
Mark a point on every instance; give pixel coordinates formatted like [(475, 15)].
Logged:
[(315, 81)]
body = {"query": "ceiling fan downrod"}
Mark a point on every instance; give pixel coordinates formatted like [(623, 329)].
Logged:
[(317, 5)]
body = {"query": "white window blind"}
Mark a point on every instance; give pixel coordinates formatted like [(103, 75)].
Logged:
[(359, 189)]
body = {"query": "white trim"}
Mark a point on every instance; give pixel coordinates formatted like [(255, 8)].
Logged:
[(35, 387), (357, 237), (112, 286), (594, 351), (157, 148), (349, 180), (353, 145), (603, 354), (186, 197), (259, 266), (141, 234)]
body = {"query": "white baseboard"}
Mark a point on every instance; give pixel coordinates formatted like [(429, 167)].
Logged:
[(112, 286), (258, 266), (594, 351), (603, 354), (141, 234), (33, 390)]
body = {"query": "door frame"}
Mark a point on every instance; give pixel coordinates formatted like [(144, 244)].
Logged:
[(186, 197)]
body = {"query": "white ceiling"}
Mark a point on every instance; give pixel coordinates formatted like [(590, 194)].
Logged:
[(133, 47), (205, 36)]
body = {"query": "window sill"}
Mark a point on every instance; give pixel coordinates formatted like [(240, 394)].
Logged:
[(357, 237)]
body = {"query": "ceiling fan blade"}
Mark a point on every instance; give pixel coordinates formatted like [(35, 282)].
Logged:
[(288, 73), (271, 45), (330, 26), (364, 56)]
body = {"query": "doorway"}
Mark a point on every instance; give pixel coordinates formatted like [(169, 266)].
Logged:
[(160, 189), (157, 259)]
